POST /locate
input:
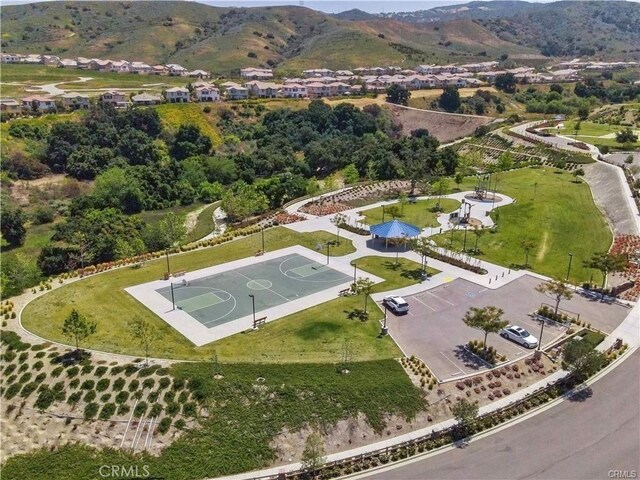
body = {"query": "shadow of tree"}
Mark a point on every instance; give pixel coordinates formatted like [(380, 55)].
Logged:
[(69, 358), (468, 359), (581, 395), (358, 314), (318, 329)]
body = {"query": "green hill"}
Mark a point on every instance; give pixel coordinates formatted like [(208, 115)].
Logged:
[(225, 39)]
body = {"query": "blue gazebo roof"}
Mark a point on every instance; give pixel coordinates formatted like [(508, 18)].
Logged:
[(395, 229)]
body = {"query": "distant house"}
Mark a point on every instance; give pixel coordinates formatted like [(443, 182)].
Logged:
[(115, 98), (140, 68), (75, 101), (566, 75), (207, 93), (146, 99), (344, 73), (50, 60), (318, 72), (68, 63), (11, 58), (100, 65), (233, 91), (262, 89), (120, 66), (479, 67), (177, 95), (339, 88), (198, 74), (159, 70), (317, 90), (252, 73), (31, 59), (10, 106), (83, 63), (294, 90), (39, 104), (176, 70)]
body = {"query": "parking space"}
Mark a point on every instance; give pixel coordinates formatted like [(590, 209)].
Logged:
[(434, 331)]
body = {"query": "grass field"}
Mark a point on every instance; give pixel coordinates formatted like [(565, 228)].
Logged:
[(418, 213), (315, 334), (204, 223), (594, 133), (563, 218), (175, 114)]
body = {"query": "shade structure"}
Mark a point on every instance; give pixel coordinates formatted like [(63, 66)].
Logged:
[(394, 229)]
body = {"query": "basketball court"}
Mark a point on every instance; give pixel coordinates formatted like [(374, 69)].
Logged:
[(216, 302)]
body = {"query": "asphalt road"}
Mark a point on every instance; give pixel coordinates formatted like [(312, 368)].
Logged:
[(580, 439)]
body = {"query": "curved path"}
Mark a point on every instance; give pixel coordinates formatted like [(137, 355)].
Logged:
[(583, 438)]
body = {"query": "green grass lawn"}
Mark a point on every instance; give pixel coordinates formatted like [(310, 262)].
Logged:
[(397, 275), (204, 223), (316, 334), (418, 213), (593, 133), (563, 218)]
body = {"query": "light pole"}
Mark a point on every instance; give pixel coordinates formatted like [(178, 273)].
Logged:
[(262, 239), (569, 268), (382, 213), (173, 300), (464, 244), (493, 200), (253, 305), (541, 330), (385, 329), (166, 251), (328, 244), (355, 271)]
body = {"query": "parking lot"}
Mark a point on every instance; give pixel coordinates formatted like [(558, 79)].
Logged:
[(433, 329)]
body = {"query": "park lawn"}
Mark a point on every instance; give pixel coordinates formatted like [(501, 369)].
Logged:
[(397, 275), (312, 335), (592, 133), (175, 114), (418, 213), (563, 218)]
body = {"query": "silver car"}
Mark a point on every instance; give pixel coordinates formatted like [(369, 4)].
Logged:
[(396, 303), (519, 335)]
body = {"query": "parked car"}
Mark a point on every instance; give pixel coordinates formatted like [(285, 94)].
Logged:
[(519, 335), (396, 303)]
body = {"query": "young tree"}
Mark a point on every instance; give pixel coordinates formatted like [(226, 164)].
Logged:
[(392, 210), (488, 319), (339, 219), (403, 199), (629, 159), (450, 99), (578, 172), (313, 455), (422, 246), (172, 229), (465, 412), (350, 174), (83, 245), (144, 333), (478, 232), (12, 220), (505, 161), (441, 187), (581, 358), (77, 327), (527, 246), (398, 94), (557, 289), (607, 263), (364, 286)]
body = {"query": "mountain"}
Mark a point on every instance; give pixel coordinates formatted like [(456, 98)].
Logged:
[(225, 39), (471, 10), (354, 14)]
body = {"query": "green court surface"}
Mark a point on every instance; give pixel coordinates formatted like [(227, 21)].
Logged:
[(225, 296)]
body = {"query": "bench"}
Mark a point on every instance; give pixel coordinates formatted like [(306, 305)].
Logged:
[(259, 321), (179, 273), (259, 253), (345, 293)]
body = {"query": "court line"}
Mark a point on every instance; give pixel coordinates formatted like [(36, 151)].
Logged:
[(440, 298), (329, 269), (428, 306), (452, 363), (251, 279)]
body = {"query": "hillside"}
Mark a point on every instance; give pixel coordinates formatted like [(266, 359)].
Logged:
[(471, 10), (225, 39)]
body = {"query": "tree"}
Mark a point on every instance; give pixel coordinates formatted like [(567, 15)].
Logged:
[(364, 286), (189, 142), (478, 232), (403, 199), (398, 94), (527, 246), (339, 219), (581, 358), (629, 159), (144, 333), (505, 161), (243, 201), (607, 263), (459, 178), (578, 172), (350, 174), (465, 412), (392, 210), (557, 289), (626, 136), (313, 455), (12, 220), (576, 128), (450, 99), (488, 319), (77, 327), (556, 87), (422, 246), (172, 229), (441, 187), (506, 82)]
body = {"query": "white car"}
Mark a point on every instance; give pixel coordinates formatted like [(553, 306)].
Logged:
[(396, 303), (519, 335)]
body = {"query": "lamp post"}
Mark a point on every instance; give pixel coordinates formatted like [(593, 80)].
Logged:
[(541, 330), (173, 300), (355, 271), (262, 231), (253, 306), (464, 244), (495, 188), (166, 252), (385, 329), (569, 268), (382, 213), (328, 245)]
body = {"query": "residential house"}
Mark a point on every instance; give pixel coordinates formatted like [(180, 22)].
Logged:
[(262, 89), (480, 67), (83, 63), (252, 73), (140, 68), (50, 60), (10, 106), (233, 91), (75, 101), (176, 70), (318, 89), (100, 65), (566, 75), (294, 90), (115, 98), (11, 58), (159, 70), (198, 74), (343, 73), (425, 69), (207, 93), (318, 72), (120, 66), (146, 99), (32, 59), (339, 88), (39, 104), (68, 63), (177, 95)]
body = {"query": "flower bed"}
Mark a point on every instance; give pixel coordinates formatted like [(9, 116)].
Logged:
[(354, 229), (490, 355), (456, 262), (323, 207), (284, 218), (547, 312)]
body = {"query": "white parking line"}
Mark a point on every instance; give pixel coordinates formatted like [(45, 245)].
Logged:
[(452, 363), (440, 298), (420, 301)]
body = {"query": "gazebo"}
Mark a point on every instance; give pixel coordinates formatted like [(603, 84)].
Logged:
[(395, 230)]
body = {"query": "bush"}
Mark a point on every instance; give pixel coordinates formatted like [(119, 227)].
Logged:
[(107, 411), (163, 383), (118, 384), (40, 377), (141, 409), (25, 378), (11, 391), (90, 410), (74, 383), (190, 409), (88, 385), (122, 397), (12, 341), (38, 365), (28, 389), (43, 215), (163, 426), (156, 409), (90, 396), (56, 372), (87, 368), (133, 386), (74, 398), (172, 408), (102, 384), (123, 409), (148, 383), (180, 423), (72, 372), (169, 396), (100, 371)]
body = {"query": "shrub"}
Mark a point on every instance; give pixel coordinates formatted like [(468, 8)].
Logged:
[(141, 409), (74, 383), (74, 398), (180, 423), (87, 385), (102, 384), (123, 409), (28, 389), (73, 371), (169, 396), (148, 383), (156, 409), (107, 411), (153, 396), (189, 409), (25, 378), (56, 372), (11, 391), (8, 370), (87, 368), (163, 383), (172, 408), (163, 426), (133, 386), (90, 410), (122, 397), (90, 396), (24, 356), (183, 397), (105, 397), (117, 370), (38, 365), (40, 377), (118, 384), (100, 371), (178, 384)]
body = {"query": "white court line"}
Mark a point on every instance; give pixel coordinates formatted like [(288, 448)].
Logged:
[(440, 298), (452, 363), (272, 291), (420, 301)]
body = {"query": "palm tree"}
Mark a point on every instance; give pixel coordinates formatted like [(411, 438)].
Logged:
[(527, 246), (488, 319)]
